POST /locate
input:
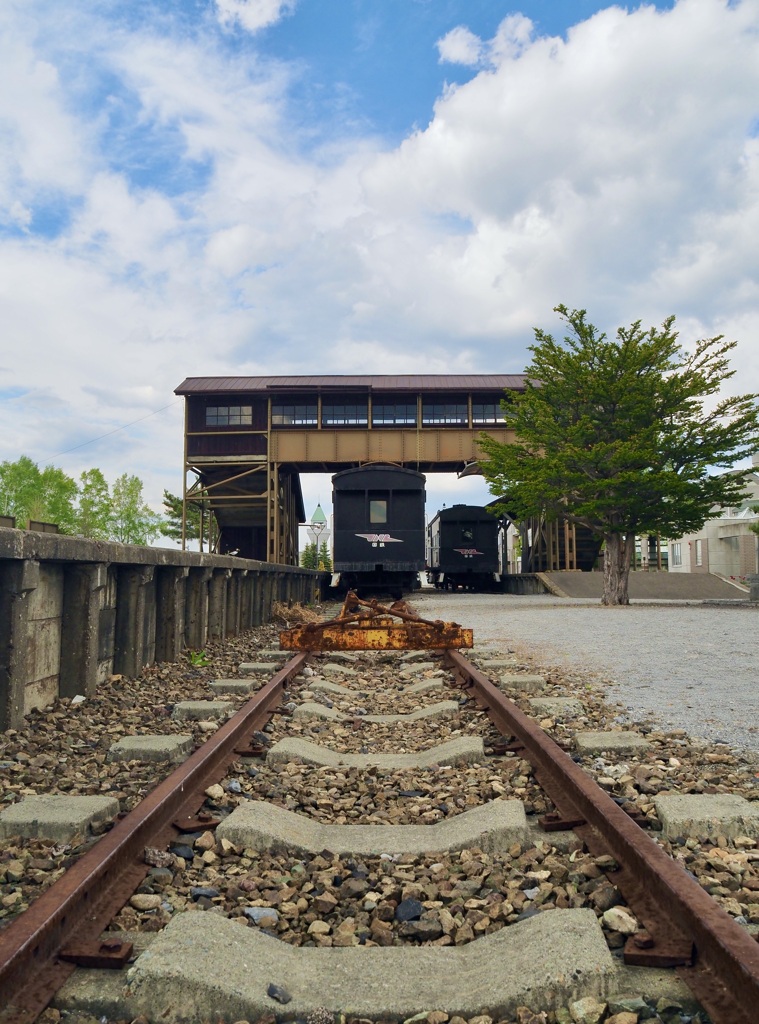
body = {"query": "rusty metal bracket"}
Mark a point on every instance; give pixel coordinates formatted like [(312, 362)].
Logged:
[(367, 626), (110, 953), (196, 823)]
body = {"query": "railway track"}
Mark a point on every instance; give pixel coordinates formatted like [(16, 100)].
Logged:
[(324, 851)]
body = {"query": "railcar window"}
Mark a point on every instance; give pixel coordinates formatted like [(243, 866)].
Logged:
[(393, 414), (487, 412), (455, 413), (286, 414), (228, 415), (467, 533), (377, 510), (354, 414)]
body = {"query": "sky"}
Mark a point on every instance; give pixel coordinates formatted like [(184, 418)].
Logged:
[(243, 187)]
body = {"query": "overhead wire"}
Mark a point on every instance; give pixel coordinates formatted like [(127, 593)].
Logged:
[(114, 431)]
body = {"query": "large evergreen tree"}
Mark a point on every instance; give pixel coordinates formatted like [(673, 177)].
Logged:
[(172, 527), (623, 436)]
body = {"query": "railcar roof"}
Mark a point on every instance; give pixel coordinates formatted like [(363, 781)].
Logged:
[(349, 382)]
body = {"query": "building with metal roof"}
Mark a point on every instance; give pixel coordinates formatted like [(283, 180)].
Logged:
[(247, 439)]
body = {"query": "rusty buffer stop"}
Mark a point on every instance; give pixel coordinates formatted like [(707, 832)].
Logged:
[(369, 626)]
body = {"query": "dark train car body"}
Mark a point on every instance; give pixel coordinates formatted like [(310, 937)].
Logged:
[(463, 548), (379, 536)]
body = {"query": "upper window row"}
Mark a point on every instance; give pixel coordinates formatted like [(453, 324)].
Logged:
[(385, 414), (356, 414), (229, 415)]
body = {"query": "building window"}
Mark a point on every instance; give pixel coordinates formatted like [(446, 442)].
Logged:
[(293, 414), (229, 415), (487, 412), (699, 555), (445, 414), (389, 414), (345, 414), (377, 510), (677, 554)]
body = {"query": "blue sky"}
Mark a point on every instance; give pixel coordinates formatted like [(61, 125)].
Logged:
[(201, 187)]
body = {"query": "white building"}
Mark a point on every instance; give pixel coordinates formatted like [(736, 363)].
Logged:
[(725, 544)]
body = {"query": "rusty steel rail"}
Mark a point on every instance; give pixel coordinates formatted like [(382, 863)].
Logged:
[(714, 956), (75, 909)]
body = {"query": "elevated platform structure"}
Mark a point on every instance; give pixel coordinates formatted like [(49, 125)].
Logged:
[(247, 439)]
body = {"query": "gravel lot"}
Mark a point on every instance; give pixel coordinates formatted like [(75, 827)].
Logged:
[(692, 667)]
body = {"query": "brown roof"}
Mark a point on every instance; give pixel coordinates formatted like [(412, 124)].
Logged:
[(348, 382)]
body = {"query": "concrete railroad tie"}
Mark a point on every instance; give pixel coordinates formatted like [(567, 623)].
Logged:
[(202, 960), (54, 817), (325, 686), (462, 750), (442, 709), (491, 827)]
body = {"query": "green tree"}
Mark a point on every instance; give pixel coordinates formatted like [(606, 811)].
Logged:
[(172, 526), (19, 488), (93, 514), (309, 558), (325, 560), (28, 493), (132, 520), (614, 435)]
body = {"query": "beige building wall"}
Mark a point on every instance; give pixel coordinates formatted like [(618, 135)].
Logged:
[(725, 545)]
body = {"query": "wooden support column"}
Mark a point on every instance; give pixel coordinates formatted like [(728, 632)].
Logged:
[(196, 608), (171, 587), (84, 588), (135, 620), (236, 603), (17, 581), (217, 603)]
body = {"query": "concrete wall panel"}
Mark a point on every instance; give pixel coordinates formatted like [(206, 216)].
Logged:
[(73, 611)]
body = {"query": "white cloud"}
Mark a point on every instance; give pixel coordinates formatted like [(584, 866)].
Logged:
[(252, 15), (460, 46), (600, 170)]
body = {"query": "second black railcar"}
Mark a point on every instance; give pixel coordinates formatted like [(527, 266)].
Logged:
[(463, 549), (379, 536)]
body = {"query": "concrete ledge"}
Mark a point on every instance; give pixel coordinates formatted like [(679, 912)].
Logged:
[(522, 681), (333, 668), (57, 818), (442, 709), (325, 686), (425, 684), (231, 685), (202, 960), (556, 706), (414, 667), (201, 710), (151, 748), (254, 668), (421, 687), (619, 742), (491, 827), (462, 750), (720, 814)]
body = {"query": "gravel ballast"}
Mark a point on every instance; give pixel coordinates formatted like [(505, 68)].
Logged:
[(692, 667), (326, 899)]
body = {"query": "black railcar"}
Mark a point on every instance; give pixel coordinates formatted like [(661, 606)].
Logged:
[(463, 548), (379, 537)]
